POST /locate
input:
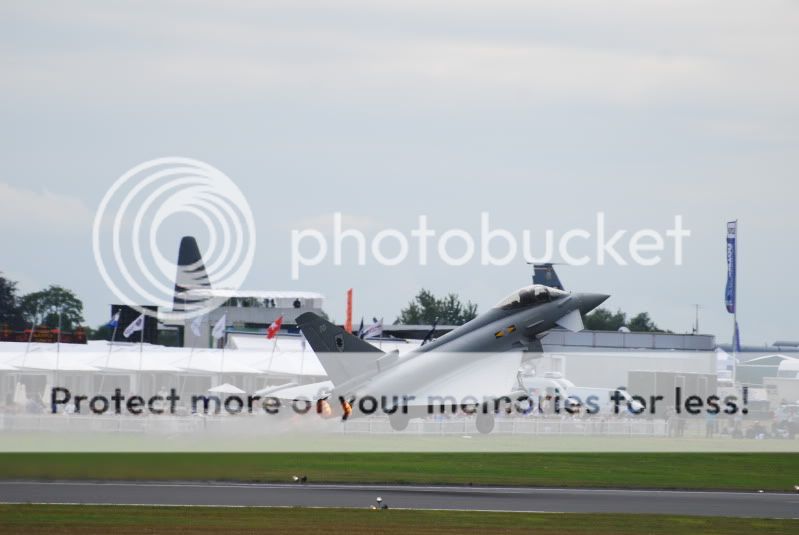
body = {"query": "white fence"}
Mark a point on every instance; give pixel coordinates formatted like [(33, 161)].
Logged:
[(515, 426), (248, 425)]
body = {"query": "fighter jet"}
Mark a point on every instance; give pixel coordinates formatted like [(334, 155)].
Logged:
[(475, 362)]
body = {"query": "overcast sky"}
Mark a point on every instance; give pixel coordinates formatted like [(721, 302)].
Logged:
[(540, 113)]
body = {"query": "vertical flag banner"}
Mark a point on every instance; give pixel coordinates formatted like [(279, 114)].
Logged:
[(729, 293), (348, 322), (136, 325), (219, 327), (114, 320), (196, 326)]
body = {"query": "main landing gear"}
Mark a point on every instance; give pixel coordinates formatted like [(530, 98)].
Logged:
[(484, 421), (399, 420)]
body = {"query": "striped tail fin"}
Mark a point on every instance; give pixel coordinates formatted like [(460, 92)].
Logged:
[(191, 275)]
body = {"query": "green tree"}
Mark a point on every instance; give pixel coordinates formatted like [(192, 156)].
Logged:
[(426, 309), (43, 308), (602, 319), (10, 313), (642, 323)]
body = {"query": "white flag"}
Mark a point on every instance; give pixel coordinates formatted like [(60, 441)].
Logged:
[(219, 327), (196, 324), (136, 325), (375, 330)]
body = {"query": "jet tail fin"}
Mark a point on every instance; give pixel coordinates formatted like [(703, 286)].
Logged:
[(341, 354), (191, 275), (545, 274)]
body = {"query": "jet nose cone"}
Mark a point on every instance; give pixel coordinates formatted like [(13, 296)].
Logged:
[(589, 302)]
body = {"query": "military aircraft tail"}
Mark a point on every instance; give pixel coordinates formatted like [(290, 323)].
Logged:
[(191, 275), (545, 274), (341, 354)]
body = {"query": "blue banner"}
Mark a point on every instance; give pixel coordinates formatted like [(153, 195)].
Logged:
[(729, 293)]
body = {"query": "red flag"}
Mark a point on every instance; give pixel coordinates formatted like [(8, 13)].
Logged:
[(273, 329)]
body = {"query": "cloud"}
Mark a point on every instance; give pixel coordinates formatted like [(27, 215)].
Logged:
[(624, 55), (24, 210), (324, 223)]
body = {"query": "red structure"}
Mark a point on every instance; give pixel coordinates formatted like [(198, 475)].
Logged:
[(42, 335)]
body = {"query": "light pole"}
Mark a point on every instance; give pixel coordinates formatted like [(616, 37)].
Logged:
[(697, 306)]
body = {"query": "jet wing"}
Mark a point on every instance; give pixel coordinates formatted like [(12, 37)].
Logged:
[(292, 391), (485, 376), (572, 321)]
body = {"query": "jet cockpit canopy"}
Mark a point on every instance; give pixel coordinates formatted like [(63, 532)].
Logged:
[(530, 296)]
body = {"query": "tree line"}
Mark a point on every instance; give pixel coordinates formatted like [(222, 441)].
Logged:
[(426, 309), (40, 308), (603, 319)]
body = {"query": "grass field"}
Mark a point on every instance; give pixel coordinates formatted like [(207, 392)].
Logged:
[(67, 519), (733, 471)]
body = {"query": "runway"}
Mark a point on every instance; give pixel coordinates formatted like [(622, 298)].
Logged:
[(738, 504)]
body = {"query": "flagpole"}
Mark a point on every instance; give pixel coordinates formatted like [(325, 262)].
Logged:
[(30, 337), (222, 363), (273, 328), (272, 354), (141, 353), (110, 348), (194, 342), (113, 339), (734, 347), (191, 355), (58, 350), (302, 356), (224, 343), (735, 336)]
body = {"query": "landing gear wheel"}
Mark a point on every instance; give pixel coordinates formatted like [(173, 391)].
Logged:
[(484, 422), (399, 421)]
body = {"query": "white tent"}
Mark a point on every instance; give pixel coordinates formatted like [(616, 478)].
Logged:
[(127, 360), (50, 361), (20, 394), (226, 388), (213, 361)]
